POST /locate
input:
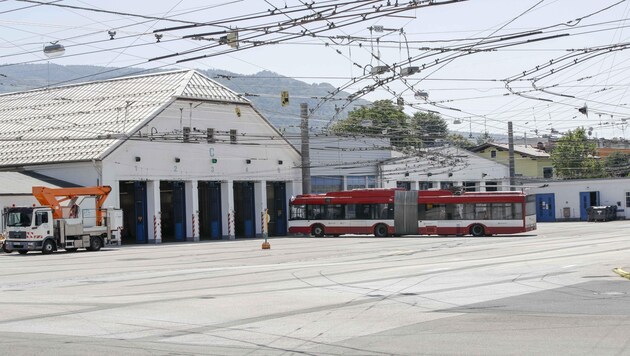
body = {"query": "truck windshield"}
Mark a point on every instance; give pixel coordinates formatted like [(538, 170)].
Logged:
[(19, 216)]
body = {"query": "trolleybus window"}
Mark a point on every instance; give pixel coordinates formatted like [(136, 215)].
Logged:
[(298, 212)]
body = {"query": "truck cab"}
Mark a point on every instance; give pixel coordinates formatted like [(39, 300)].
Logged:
[(28, 228)]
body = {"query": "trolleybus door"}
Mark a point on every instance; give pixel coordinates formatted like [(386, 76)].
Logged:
[(406, 212)]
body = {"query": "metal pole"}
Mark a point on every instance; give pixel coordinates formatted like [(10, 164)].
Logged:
[(306, 156), (511, 155)]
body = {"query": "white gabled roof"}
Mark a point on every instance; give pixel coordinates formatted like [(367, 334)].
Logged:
[(81, 122)]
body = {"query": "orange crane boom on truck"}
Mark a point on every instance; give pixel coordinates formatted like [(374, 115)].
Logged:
[(52, 197)]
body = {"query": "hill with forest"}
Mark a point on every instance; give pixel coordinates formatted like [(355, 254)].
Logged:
[(262, 88)]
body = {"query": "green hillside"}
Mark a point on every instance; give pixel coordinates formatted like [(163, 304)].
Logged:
[(262, 88)]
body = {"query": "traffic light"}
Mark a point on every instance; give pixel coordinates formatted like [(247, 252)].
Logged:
[(584, 110), (231, 39), (284, 98)]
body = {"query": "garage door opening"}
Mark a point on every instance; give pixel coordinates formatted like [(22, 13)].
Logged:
[(210, 226), (277, 208), (173, 208), (133, 202), (244, 209)]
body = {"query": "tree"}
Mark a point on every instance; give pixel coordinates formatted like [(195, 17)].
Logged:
[(428, 128), (484, 138), (573, 157), (460, 141), (617, 164), (380, 118)]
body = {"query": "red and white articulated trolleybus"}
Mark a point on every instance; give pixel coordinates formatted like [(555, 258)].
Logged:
[(386, 212)]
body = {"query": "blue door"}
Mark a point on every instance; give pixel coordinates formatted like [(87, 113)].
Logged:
[(179, 210), (244, 209), (140, 210), (210, 210), (587, 199), (545, 207), (280, 209)]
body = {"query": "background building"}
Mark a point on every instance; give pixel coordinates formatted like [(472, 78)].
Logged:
[(529, 161)]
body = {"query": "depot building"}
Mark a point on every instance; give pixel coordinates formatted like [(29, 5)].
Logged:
[(187, 158)]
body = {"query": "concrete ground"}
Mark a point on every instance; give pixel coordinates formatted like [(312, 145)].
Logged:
[(549, 291)]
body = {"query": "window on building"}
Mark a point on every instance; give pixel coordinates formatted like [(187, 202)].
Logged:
[(547, 172), (371, 181), (493, 154), (627, 199), (470, 186), (325, 184), (446, 185), (356, 182), (492, 186), (404, 185), (426, 185)]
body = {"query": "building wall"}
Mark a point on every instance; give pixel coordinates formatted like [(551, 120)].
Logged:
[(158, 153), (567, 195), (444, 166)]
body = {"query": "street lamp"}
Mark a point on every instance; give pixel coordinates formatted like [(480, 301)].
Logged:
[(54, 49)]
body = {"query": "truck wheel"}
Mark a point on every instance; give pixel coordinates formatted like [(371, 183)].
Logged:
[(380, 230), (317, 231), (48, 247), (95, 244), (22, 252), (477, 230)]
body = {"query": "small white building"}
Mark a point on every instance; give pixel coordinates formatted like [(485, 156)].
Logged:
[(346, 162), (187, 158), (442, 168), (569, 200)]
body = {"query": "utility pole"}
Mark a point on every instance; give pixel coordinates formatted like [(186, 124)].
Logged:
[(511, 155), (306, 156)]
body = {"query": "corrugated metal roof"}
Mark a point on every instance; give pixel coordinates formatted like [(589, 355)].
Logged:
[(82, 121)]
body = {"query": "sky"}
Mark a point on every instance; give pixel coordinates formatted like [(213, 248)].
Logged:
[(481, 63)]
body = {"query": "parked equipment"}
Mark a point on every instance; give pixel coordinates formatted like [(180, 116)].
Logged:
[(51, 226), (602, 213)]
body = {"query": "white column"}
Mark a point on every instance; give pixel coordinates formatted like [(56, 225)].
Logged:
[(227, 206), (192, 211), (415, 185), (482, 186), (260, 204), (154, 225)]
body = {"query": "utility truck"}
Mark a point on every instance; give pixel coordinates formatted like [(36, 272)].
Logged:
[(53, 226)]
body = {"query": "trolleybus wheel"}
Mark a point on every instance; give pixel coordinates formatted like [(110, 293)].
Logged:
[(22, 252), (380, 230), (477, 230), (317, 231)]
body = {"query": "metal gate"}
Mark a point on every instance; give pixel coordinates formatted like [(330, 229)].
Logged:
[(173, 211), (277, 205), (406, 212), (210, 225), (133, 202), (244, 209)]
